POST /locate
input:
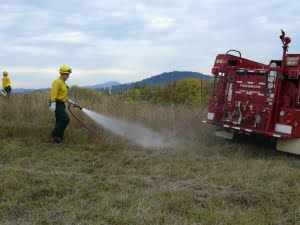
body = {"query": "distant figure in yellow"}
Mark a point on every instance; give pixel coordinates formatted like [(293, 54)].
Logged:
[(58, 98), (6, 85)]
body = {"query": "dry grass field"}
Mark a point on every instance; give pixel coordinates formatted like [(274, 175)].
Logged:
[(85, 180)]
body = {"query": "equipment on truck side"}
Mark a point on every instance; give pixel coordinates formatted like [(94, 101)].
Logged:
[(255, 98)]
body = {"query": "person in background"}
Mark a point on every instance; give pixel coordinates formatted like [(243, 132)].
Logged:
[(6, 85), (58, 98)]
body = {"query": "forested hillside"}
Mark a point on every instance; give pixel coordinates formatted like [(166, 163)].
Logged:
[(160, 79)]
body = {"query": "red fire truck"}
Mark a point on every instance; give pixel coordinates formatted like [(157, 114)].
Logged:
[(256, 98)]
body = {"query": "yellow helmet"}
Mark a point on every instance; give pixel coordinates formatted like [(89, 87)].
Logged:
[(5, 73), (65, 70)]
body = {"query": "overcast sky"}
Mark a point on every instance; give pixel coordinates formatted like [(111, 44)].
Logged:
[(127, 41)]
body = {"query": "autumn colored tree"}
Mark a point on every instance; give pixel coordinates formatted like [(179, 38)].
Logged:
[(185, 91)]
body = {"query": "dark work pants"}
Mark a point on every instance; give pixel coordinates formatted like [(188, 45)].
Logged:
[(7, 90), (62, 120)]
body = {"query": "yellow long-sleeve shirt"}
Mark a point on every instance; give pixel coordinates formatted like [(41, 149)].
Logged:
[(5, 82), (59, 91)]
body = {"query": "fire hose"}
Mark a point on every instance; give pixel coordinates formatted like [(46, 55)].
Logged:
[(82, 123)]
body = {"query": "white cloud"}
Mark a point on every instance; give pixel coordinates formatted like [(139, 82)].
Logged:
[(161, 22), (155, 17), (31, 50), (63, 37)]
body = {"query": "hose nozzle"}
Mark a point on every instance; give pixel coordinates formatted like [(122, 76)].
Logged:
[(77, 106)]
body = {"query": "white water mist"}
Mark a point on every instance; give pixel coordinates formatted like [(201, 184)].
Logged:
[(134, 132)]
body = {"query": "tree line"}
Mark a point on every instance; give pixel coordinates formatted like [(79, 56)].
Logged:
[(188, 91)]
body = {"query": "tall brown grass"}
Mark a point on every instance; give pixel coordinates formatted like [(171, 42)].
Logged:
[(28, 115)]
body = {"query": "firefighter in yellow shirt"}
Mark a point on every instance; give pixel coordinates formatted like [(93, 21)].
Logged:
[(6, 85), (58, 98)]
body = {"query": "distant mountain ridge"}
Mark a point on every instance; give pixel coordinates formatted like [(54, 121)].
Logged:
[(107, 84), (28, 90), (116, 87), (160, 79), (97, 86)]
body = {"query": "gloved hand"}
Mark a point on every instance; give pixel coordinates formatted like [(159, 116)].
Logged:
[(71, 102), (52, 106), (3, 93)]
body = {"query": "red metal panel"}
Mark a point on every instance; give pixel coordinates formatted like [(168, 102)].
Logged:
[(293, 74)]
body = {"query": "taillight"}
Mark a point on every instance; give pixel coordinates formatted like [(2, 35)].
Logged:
[(215, 70), (288, 121), (289, 114)]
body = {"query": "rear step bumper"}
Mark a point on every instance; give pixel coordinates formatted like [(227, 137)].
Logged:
[(247, 130)]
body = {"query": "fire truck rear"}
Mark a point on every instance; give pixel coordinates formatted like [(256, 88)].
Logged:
[(255, 98)]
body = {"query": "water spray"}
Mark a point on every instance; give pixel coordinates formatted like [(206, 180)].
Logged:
[(134, 132)]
